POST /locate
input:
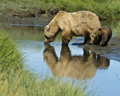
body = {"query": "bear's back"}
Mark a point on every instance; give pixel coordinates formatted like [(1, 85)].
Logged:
[(85, 19), (107, 30)]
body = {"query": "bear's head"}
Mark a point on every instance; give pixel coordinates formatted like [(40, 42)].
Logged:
[(94, 35), (49, 34), (51, 31), (98, 32)]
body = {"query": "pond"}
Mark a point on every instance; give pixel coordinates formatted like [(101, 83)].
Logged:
[(68, 62)]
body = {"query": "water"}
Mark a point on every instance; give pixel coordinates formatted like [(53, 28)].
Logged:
[(71, 62)]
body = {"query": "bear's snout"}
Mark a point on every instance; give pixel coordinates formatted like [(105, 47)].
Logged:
[(46, 37), (46, 41)]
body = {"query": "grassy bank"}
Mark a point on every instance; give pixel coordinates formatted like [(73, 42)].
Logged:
[(10, 57), (105, 9), (21, 83), (15, 80)]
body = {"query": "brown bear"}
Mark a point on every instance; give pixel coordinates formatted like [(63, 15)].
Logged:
[(103, 35), (80, 23)]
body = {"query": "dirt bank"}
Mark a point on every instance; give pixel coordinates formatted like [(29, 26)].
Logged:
[(28, 16), (111, 51)]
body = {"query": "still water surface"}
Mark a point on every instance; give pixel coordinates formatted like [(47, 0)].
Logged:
[(70, 62)]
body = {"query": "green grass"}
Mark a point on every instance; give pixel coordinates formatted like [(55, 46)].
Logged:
[(10, 57), (116, 32), (16, 80), (105, 9), (21, 83)]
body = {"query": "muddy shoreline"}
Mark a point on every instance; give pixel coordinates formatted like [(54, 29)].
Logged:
[(111, 51)]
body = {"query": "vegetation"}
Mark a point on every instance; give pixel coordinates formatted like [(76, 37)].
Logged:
[(10, 58), (105, 9), (21, 83), (16, 80), (116, 32)]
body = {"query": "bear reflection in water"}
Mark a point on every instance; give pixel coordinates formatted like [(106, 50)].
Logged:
[(80, 67)]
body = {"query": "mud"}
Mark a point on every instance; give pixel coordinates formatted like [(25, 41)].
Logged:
[(111, 51)]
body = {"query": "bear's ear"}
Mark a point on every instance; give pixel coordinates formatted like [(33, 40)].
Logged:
[(47, 27), (99, 29)]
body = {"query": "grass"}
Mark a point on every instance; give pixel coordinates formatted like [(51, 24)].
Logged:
[(116, 32), (8, 61), (105, 9), (24, 84), (16, 80)]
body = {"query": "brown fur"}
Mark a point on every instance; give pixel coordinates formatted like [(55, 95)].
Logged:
[(103, 34), (83, 67), (81, 23)]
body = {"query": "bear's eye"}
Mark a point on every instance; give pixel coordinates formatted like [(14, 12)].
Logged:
[(92, 35)]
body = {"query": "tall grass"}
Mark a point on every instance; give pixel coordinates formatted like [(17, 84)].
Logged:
[(21, 83), (15, 80), (10, 57), (105, 9)]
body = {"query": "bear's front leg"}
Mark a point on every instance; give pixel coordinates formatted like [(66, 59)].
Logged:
[(103, 41), (87, 40), (66, 36), (97, 40)]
